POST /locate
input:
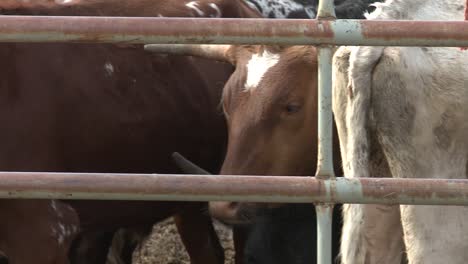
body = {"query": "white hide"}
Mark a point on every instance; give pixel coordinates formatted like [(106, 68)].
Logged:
[(408, 106)]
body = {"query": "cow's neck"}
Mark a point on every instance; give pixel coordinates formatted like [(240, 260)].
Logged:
[(419, 10)]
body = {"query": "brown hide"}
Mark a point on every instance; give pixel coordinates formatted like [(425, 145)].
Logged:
[(102, 108)]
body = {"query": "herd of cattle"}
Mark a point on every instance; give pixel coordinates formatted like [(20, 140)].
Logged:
[(399, 112)]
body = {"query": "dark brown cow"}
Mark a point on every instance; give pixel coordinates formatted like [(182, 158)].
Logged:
[(102, 108)]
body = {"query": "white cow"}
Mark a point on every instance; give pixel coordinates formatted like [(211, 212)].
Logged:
[(403, 112)]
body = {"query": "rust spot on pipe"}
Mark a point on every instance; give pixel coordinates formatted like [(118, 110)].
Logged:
[(322, 29)]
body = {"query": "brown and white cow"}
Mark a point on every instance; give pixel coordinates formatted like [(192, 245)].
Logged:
[(103, 108), (270, 103), (402, 112)]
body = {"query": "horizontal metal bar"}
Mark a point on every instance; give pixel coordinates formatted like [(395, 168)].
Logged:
[(231, 188), (232, 31)]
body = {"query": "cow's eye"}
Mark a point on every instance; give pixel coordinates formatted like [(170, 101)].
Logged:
[(292, 108)]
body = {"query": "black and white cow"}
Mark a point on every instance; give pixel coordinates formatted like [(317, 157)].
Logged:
[(352, 9)]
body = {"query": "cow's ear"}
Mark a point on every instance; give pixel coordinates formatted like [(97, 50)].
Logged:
[(214, 52)]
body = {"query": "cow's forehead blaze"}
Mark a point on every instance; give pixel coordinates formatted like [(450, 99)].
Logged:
[(267, 77), (258, 66)]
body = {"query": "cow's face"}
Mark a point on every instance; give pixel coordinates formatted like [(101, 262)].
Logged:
[(270, 103)]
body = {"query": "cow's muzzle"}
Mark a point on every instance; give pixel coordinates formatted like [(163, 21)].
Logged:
[(232, 213)]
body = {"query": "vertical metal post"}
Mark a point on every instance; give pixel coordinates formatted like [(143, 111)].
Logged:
[(325, 115), (326, 9), (324, 233), (325, 136), (325, 154)]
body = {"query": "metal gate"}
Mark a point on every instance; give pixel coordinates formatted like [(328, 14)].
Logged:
[(324, 190)]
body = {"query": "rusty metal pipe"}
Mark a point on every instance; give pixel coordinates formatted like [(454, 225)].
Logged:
[(279, 189), (232, 31)]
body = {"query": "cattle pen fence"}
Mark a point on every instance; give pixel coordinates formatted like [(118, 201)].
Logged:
[(324, 190)]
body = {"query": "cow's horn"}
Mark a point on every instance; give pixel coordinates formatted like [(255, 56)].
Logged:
[(186, 165), (215, 52)]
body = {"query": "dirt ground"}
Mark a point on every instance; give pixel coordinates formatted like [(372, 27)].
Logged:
[(165, 247)]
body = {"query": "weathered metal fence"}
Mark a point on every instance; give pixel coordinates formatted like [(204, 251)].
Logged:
[(324, 189)]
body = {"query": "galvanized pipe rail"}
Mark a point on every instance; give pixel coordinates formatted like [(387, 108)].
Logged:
[(281, 189), (324, 211), (232, 31)]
